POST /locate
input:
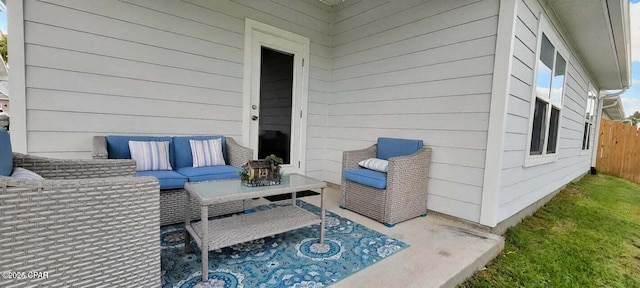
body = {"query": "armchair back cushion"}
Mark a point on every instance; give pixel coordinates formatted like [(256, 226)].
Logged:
[(118, 146), (6, 155), (392, 147), (182, 149)]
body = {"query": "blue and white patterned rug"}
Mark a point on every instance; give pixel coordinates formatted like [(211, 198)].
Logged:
[(291, 259)]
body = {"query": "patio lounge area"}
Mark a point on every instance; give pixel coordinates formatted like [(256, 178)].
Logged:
[(472, 113), (66, 225), (58, 228), (93, 211)]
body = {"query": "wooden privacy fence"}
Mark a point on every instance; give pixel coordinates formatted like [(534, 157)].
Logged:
[(619, 150)]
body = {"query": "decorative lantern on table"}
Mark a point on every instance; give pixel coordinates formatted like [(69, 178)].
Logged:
[(262, 172)]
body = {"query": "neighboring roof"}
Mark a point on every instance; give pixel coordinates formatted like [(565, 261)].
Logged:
[(4, 70), (4, 89), (613, 107), (600, 30)]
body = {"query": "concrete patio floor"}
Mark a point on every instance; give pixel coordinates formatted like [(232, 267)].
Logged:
[(442, 253)]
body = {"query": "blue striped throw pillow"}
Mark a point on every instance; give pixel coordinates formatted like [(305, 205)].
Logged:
[(375, 164), (207, 152), (150, 155), (22, 173)]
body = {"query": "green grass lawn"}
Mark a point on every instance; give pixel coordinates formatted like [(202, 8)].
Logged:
[(586, 236)]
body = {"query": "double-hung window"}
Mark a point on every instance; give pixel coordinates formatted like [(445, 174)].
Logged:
[(550, 74), (589, 119)]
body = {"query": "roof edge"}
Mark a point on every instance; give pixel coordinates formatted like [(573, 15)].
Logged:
[(618, 108), (618, 13)]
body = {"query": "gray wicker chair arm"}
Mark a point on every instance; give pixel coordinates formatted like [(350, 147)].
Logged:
[(100, 148), (350, 159), (68, 228), (73, 169), (236, 154), (413, 168), (8, 183)]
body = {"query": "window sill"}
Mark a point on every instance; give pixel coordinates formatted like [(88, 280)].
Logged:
[(531, 161)]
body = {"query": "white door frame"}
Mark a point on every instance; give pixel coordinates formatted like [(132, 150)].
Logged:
[(269, 36)]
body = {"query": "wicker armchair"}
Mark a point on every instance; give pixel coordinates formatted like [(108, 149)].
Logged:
[(90, 223), (405, 194), (172, 200)]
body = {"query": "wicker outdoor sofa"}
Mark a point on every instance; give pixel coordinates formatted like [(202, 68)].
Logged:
[(89, 224), (172, 199), (392, 197)]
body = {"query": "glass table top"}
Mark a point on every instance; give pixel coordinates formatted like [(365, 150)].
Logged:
[(234, 188)]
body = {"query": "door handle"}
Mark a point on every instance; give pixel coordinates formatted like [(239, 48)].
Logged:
[(254, 117)]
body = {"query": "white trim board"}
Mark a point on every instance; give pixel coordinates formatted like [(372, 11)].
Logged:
[(17, 77), (498, 111)]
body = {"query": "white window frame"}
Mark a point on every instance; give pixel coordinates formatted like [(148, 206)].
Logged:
[(544, 27), (591, 120)]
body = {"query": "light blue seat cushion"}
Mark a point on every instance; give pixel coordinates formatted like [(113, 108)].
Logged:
[(168, 179), (392, 147), (182, 149), (118, 146), (210, 173), (366, 177), (6, 155)]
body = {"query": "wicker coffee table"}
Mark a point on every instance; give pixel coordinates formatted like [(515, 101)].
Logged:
[(223, 232)]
